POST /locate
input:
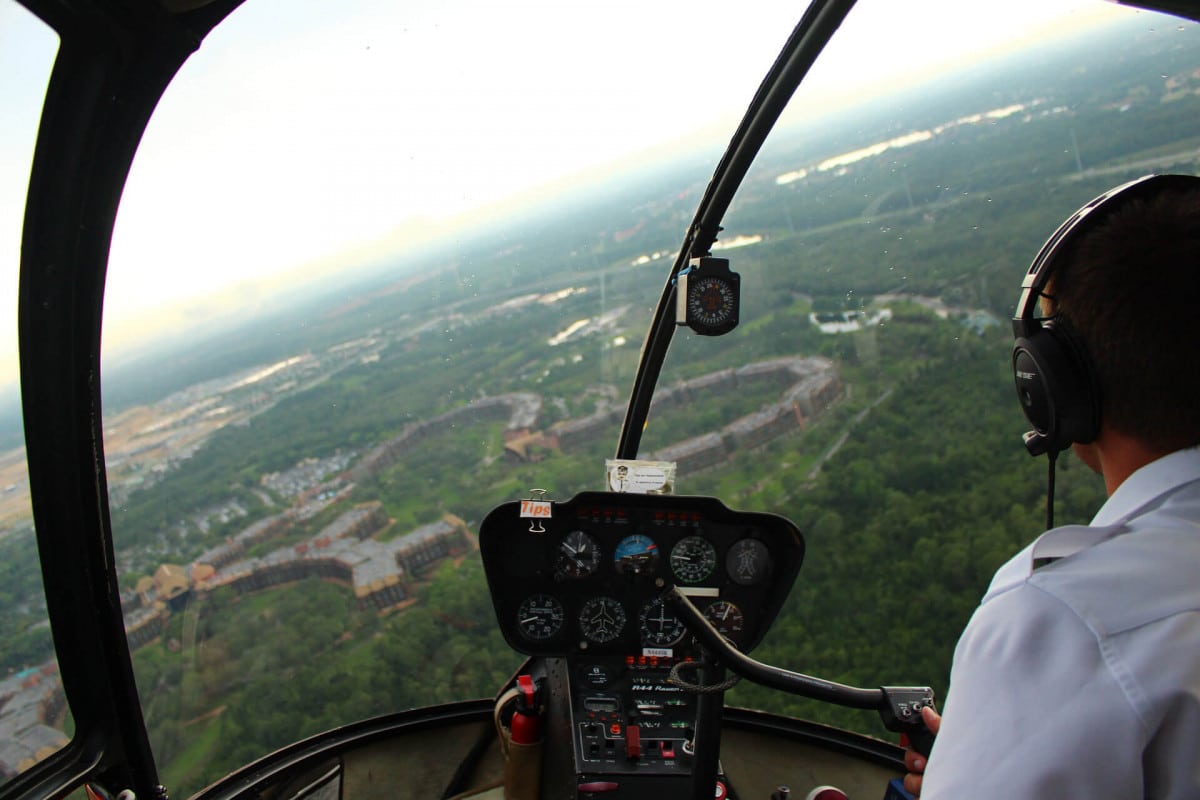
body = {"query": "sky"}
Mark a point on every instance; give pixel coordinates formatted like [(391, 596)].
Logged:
[(300, 139)]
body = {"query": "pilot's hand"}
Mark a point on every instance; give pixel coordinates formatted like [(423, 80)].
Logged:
[(914, 762)]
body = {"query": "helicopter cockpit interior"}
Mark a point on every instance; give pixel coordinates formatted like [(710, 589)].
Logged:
[(548, 400)]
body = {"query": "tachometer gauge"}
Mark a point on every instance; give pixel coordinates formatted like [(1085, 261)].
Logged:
[(748, 562), (601, 619), (578, 556), (636, 555), (726, 618), (660, 628), (693, 559), (540, 617)]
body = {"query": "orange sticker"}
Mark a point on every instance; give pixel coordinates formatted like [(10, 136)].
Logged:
[(535, 508)]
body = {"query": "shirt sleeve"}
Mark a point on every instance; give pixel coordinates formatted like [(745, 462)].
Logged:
[(1033, 710)]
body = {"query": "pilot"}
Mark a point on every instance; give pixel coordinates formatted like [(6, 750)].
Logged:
[(1079, 673)]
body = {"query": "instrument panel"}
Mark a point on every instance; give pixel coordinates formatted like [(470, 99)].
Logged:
[(588, 578)]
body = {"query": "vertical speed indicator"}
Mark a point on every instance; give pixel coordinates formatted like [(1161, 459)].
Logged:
[(540, 617)]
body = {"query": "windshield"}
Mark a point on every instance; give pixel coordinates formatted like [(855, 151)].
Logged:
[(375, 274), (34, 718), (401, 275), (881, 237)]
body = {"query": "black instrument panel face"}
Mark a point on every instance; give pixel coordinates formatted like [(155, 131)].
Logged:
[(588, 579)]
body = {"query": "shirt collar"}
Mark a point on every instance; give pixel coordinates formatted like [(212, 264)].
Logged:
[(1148, 484), (1143, 488)]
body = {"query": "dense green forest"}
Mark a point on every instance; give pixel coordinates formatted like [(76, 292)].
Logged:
[(235, 677), (904, 527)]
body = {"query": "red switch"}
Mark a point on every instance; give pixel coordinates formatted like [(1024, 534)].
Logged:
[(595, 787), (633, 742)]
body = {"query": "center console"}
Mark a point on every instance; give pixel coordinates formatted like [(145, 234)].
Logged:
[(582, 584)]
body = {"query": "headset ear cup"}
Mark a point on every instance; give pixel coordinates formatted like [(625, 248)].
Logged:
[(1032, 392), (1058, 388), (1055, 387)]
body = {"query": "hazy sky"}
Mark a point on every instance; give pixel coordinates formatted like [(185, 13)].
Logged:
[(303, 130)]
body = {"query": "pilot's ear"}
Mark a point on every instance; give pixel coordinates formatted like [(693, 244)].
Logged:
[(1046, 299)]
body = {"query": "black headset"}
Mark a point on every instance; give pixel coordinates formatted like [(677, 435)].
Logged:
[(1056, 383)]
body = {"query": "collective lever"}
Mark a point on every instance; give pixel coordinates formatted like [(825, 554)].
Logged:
[(898, 706)]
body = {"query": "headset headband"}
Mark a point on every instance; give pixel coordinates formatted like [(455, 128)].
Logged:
[(1024, 322)]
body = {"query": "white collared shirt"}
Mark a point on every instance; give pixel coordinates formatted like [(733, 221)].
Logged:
[(1082, 679)]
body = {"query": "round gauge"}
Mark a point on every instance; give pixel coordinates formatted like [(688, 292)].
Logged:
[(601, 619), (636, 555), (578, 556), (540, 617), (711, 301), (660, 628), (748, 562), (693, 559), (726, 618)]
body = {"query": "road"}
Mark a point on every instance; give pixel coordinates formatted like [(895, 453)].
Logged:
[(841, 440)]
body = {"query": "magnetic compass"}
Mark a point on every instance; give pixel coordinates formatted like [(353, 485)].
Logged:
[(707, 298)]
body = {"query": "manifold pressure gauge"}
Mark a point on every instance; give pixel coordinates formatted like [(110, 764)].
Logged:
[(707, 296)]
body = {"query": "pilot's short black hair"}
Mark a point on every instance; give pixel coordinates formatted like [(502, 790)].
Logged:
[(1130, 289)]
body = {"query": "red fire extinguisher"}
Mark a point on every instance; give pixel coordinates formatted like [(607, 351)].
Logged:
[(526, 722), (522, 744)]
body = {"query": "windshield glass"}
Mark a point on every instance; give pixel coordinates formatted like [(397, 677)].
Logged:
[(881, 238), (34, 718), (373, 275)]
